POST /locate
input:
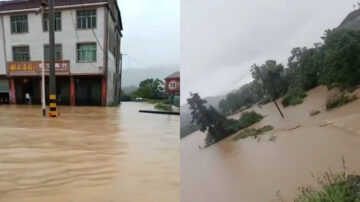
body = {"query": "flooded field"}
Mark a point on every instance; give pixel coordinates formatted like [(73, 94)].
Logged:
[(88, 154), (253, 170)]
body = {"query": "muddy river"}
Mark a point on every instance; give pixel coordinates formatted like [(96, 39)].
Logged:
[(260, 170), (88, 154)]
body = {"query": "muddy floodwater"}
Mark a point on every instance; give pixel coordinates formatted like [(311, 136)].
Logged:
[(260, 170), (88, 154)]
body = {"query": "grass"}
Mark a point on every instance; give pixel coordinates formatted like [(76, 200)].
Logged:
[(163, 107), (338, 187), (154, 101), (339, 100), (334, 188), (252, 132)]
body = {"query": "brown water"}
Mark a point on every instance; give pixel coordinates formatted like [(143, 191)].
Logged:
[(251, 170), (88, 154)]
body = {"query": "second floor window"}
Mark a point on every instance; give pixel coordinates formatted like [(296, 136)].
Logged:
[(19, 24), (57, 25), (21, 53), (86, 19), (86, 52), (58, 52), (172, 85)]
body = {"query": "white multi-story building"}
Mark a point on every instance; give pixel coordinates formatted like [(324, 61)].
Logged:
[(87, 52)]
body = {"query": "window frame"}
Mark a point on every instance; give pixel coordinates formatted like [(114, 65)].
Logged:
[(61, 51), (170, 85), (86, 10), (27, 24), (47, 25), (77, 52), (20, 46)]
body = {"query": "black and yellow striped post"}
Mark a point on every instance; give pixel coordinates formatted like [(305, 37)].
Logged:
[(52, 106)]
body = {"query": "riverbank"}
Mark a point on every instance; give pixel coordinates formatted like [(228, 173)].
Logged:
[(256, 169)]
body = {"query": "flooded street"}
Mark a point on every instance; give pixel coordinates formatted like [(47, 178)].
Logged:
[(252, 170), (88, 154)]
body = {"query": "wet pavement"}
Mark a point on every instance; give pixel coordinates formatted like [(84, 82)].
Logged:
[(88, 154)]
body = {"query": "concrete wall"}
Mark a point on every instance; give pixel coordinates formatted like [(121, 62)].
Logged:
[(2, 53), (69, 36)]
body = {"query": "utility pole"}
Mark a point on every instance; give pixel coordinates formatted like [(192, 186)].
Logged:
[(52, 79), (43, 7), (270, 91)]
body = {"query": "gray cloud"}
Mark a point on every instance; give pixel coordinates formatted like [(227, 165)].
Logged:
[(151, 34), (221, 39)]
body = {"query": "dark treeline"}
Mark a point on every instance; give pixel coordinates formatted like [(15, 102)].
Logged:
[(335, 63)]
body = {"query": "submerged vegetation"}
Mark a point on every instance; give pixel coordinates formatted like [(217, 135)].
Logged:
[(335, 63), (252, 132), (339, 100), (163, 107)]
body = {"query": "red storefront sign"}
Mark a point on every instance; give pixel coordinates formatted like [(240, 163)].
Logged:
[(34, 68)]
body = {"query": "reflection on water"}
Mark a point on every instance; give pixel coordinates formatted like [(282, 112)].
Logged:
[(88, 154), (251, 170)]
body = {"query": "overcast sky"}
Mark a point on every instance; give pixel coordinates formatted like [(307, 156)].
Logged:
[(221, 39), (151, 33)]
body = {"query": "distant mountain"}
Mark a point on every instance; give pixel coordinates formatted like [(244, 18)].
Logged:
[(186, 128), (133, 76), (352, 21), (129, 89)]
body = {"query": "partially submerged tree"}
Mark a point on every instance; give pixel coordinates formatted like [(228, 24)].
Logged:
[(271, 75), (207, 119)]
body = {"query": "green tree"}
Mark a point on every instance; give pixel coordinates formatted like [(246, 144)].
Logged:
[(150, 88), (341, 59), (272, 77)]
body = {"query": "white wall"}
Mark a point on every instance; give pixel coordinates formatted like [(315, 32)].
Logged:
[(36, 38), (111, 68), (2, 54)]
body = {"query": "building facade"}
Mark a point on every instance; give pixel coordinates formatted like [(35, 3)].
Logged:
[(172, 87), (87, 51)]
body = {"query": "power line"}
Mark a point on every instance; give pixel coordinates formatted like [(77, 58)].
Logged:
[(97, 40)]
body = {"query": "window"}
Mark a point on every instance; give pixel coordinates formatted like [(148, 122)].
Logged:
[(86, 19), (19, 24), (86, 52), (57, 25), (21, 53), (58, 52), (172, 85)]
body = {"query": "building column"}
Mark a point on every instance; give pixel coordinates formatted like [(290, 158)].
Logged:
[(103, 91), (72, 91), (12, 91)]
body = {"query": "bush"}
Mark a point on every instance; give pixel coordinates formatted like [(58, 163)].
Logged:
[(293, 97), (246, 120), (339, 100)]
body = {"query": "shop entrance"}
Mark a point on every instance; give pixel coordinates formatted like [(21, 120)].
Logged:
[(62, 90), (88, 91), (29, 85)]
